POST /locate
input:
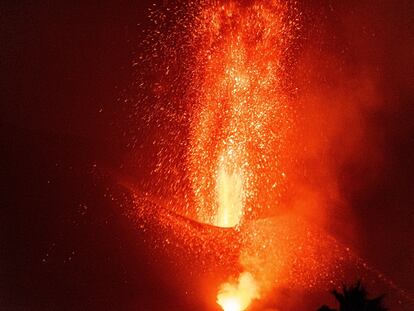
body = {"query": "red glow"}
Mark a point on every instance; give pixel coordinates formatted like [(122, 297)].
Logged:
[(228, 147), (240, 118)]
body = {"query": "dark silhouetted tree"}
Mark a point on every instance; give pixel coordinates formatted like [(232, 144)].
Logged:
[(355, 298)]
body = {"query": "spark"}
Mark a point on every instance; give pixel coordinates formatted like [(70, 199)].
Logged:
[(240, 122)]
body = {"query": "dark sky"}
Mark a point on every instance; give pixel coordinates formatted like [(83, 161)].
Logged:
[(63, 67)]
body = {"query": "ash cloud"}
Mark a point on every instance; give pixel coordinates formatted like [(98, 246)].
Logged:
[(354, 78)]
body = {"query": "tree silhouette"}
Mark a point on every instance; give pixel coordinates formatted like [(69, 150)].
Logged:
[(355, 298)]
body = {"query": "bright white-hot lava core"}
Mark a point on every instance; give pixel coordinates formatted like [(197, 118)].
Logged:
[(238, 296), (229, 188)]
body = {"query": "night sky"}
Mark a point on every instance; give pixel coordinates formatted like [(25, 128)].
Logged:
[(64, 243)]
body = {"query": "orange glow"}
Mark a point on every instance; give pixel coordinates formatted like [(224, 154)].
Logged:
[(224, 107), (240, 121), (229, 196), (238, 296)]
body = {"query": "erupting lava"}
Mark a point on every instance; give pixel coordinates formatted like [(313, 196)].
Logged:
[(237, 297), (240, 120), (230, 197)]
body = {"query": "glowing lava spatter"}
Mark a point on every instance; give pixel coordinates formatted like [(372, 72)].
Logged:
[(240, 120)]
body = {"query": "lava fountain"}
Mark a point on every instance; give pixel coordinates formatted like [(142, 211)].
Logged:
[(240, 119), (240, 122)]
